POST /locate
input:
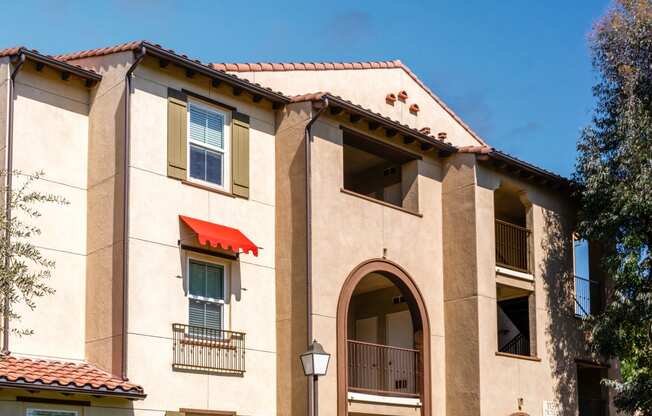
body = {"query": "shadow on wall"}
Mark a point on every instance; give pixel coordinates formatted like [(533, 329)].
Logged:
[(565, 341)]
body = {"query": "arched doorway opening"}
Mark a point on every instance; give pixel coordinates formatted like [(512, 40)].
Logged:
[(383, 344)]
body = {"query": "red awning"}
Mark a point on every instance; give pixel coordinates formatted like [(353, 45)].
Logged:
[(216, 235)]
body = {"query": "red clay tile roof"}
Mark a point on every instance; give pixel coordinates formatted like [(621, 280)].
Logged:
[(160, 51), (10, 51), (49, 60), (483, 148), (320, 66), (68, 376), (339, 101), (123, 47), (506, 158)]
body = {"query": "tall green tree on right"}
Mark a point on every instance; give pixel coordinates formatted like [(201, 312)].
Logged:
[(614, 176)]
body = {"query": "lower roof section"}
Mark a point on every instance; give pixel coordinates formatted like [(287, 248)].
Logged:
[(65, 377)]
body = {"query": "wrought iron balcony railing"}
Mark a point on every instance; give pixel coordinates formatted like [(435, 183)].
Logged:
[(519, 345), (207, 349), (587, 296), (385, 370), (512, 246)]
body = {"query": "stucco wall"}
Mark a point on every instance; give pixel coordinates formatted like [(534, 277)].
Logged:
[(51, 135), (156, 264), (368, 88), (348, 230), (4, 102), (558, 339), (479, 380)]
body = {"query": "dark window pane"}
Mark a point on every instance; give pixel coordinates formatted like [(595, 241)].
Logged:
[(214, 282), (197, 163), (197, 279), (214, 167)]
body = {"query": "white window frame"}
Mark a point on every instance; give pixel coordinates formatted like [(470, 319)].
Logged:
[(31, 411), (226, 316), (226, 152)]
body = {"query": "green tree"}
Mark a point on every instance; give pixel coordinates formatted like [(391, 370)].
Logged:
[(614, 176), (25, 271)]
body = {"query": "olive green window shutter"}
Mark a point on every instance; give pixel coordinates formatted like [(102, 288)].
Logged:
[(240, 155), (177, 134)]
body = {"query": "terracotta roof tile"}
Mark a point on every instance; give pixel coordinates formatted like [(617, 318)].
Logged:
[(135, 45), (514, 161), (317, 96), (38, 55), (308, 66), (10, 51), (123, 47), (58, 374)]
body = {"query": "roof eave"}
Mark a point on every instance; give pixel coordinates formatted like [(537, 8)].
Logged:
[(444, 149), (159, 52), (24, 385), (527, 170), (59, 65)]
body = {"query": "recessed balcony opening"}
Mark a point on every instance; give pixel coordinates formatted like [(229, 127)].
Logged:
[(512, 233), (380, 171), (588, 286), (383, 340), (514, 320), (592, 396)]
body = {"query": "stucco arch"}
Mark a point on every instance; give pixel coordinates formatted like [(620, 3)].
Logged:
[(401, 279)]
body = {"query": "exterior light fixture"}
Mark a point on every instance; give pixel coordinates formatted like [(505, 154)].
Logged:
[(315, 364), (315, 360)]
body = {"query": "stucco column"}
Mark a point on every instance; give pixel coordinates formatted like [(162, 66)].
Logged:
[(291, 284), (461, 306)]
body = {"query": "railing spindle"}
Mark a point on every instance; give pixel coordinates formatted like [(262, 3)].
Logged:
[(198, 348)]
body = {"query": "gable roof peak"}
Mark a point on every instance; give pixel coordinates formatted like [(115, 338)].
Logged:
[(329, 66)]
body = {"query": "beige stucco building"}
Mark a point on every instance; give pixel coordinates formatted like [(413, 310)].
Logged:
[(222, 216)]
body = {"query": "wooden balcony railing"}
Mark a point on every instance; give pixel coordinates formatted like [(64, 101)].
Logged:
[(385, 370), (512, 246), (207, 349)]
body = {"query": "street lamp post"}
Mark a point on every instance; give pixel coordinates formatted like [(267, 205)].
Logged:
[(315, 364)]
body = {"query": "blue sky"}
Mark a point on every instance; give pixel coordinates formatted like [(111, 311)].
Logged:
[(517, 71)]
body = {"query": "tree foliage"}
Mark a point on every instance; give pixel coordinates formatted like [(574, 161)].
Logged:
[(25, 271), (614, 174)]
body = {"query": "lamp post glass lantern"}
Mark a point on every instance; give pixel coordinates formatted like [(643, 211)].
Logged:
[(315, 360)]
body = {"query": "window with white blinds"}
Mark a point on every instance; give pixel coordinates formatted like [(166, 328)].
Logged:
[(207, 144), (206, 295), (48, 412)]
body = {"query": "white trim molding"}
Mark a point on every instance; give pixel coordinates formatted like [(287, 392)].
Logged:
[(513, 273), (374, 398)]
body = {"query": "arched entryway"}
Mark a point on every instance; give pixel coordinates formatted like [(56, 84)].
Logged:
[(383, 336)]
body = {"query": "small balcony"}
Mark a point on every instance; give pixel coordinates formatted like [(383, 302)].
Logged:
[(383, 370), (512, 250), (587, 296), (202, 349)]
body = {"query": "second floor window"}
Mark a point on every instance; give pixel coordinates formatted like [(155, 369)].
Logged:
[(206, 295), (207, 144)]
